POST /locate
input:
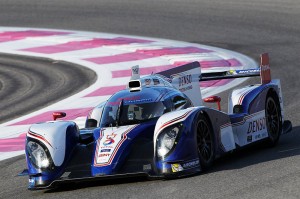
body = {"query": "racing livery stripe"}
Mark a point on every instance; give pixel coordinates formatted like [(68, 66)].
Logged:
[(243, 96), (244, 119), (38, 137), (19, 35), (174, 120), (81, 45)]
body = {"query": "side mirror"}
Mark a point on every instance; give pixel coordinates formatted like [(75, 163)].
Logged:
[(91, 123), (214, 99), (58, 115)]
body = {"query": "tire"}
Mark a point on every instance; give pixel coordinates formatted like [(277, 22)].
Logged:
[(273, 118), (205, 142)]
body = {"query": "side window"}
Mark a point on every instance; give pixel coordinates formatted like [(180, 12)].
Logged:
[(179, 102)]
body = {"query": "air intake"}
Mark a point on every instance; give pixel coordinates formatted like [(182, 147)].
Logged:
[(134, 85)]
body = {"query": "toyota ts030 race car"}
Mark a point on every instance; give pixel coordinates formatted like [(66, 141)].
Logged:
[(156, 127)]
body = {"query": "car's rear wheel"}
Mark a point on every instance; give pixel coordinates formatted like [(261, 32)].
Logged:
[(205, 142), (273, 118)]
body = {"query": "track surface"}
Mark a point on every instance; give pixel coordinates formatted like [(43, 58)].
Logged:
[(27, 84), (247, 27)]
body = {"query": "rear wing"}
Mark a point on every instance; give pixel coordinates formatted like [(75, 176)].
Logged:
[(186, 77), (264, 72)]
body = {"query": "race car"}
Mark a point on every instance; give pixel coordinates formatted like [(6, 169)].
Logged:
[(157, 127)]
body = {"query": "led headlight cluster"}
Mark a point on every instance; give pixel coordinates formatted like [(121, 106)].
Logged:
[(168, 139), (38, 155)]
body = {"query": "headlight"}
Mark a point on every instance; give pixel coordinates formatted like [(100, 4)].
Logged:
[(38, 155), (167, 139)]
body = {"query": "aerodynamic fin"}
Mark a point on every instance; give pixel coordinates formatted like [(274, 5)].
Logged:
[(263, 71), (186, 79), (135, 72)]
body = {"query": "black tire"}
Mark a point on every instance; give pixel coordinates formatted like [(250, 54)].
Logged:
[(205, 142), (273, 118)]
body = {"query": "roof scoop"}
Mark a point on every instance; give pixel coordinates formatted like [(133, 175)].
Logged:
[(135, 84)]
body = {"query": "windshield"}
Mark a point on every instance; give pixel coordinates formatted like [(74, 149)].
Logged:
[(123, 114)]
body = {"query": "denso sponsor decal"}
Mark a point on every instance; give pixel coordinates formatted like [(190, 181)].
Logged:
[(184, 80), (257, 125)]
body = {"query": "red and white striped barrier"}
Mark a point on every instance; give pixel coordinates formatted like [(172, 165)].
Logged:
[(111, 57)]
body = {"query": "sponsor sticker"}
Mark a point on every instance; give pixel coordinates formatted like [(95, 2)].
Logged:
[(103, 155), (105, 150), (108, 141), (176, 167), (191, 164), (257, 125)]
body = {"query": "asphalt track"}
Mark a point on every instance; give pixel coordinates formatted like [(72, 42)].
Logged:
[(28, 84), (249, 27)]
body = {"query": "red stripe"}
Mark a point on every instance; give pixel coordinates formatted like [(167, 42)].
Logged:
[(39, 137), (81, 45), (47, 116), (18, 35), (174, 120)]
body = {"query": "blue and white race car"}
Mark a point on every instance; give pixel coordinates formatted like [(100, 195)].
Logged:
[(157, 127)]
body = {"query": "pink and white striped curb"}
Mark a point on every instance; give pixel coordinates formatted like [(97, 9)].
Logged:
[(111, 57)]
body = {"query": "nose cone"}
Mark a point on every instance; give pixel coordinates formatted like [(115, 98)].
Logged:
[(123, 149)]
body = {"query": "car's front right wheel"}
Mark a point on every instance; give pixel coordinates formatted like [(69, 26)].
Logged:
[(205, 142)]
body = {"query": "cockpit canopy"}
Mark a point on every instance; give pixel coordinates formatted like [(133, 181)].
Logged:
[(127, 107)]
